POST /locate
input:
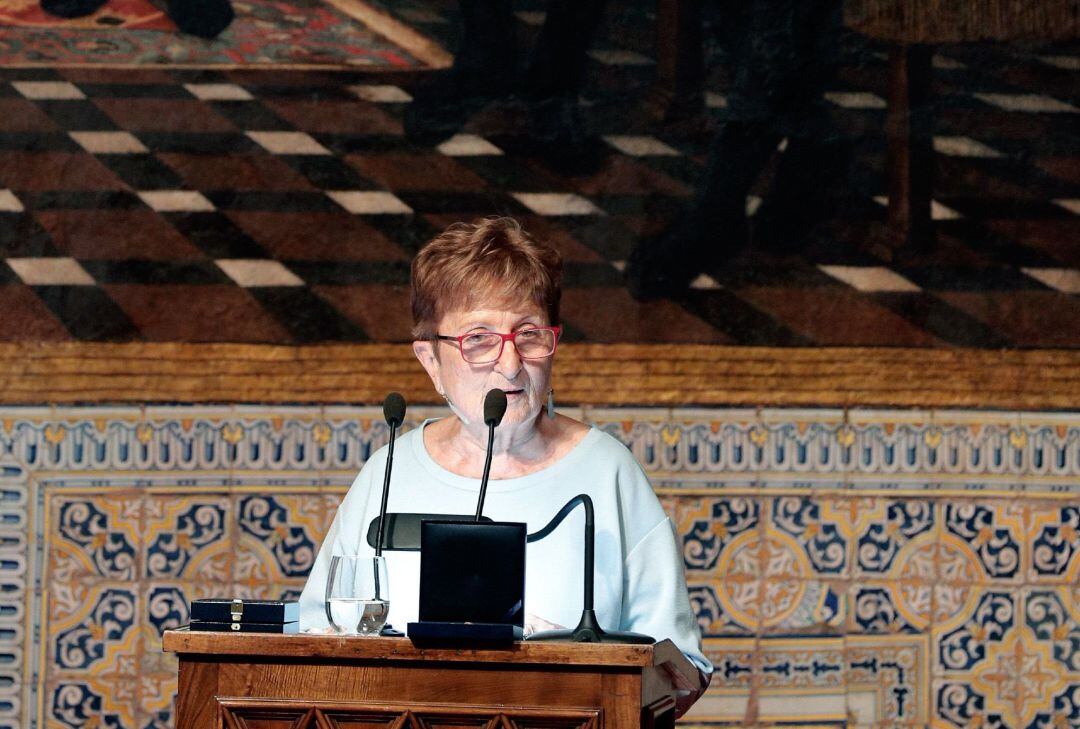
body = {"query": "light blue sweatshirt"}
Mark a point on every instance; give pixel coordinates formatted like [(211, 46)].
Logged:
[(639, 581)]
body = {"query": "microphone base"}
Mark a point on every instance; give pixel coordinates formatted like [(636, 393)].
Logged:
[(574, 636), (588, 630)]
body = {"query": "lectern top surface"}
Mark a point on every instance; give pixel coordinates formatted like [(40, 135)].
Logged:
[(307, 645)]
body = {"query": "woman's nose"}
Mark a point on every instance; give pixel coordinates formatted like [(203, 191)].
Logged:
[(509, 362)]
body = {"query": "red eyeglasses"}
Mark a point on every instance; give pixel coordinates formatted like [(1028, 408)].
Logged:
[(487, 347)]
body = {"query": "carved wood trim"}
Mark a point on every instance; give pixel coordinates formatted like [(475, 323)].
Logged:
[(660, 714), (235, 712), (588, 374)]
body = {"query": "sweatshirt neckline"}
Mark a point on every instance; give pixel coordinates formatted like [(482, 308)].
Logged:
[(503, 484)]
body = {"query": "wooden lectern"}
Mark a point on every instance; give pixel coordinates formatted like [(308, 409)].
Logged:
[(272, 681)]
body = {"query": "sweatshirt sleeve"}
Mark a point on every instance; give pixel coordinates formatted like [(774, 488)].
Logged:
[(656, 601)]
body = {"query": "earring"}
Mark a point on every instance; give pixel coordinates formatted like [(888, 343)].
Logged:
[(551, 403)]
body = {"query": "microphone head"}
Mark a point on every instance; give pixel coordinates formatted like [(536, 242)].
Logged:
[(494, 407), (393, 409)]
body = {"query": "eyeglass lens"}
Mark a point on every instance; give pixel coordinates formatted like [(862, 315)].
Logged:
[(486, 347)]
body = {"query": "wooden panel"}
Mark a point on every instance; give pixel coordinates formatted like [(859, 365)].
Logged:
[(402, 649), (588, 374), (196, 707), (268, 717), (351, 718), (622, 699), (393, 683), (272, 713)]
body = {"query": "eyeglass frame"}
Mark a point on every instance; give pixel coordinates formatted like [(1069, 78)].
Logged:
[(512, 337)]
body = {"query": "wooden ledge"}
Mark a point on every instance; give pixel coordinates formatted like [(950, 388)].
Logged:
[(401, 649), (585, 374)]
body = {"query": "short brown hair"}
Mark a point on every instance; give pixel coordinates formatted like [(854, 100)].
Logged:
[(492, 259)]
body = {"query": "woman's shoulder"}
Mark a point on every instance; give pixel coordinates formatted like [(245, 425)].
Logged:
[(601, 445)]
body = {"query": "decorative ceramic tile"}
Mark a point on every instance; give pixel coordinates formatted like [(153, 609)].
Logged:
[(842, 602), (187, 538), (1052, 544), (1012, 661)]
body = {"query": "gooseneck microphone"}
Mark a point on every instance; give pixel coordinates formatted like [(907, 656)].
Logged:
[(394, 413), (494, 410), (588, 629)]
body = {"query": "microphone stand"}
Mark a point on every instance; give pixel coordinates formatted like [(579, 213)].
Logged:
[(588, 629), (385, 493), (494, 410), (487, 470)]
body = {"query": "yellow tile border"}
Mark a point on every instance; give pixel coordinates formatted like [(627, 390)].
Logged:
[(588, 374)]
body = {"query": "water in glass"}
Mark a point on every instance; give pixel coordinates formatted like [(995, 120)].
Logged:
[(357, 595)]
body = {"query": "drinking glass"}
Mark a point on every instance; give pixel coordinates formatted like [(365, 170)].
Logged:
[(357, 595)]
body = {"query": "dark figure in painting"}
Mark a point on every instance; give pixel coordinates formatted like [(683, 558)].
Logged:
[(202, 18), (783, 54), (485, 69)]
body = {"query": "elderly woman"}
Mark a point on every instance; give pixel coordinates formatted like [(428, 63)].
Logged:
[(485, 304)]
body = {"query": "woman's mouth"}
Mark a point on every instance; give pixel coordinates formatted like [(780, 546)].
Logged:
[(512, 393)]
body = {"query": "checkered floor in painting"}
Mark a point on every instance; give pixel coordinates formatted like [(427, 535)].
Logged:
[(284, 206)]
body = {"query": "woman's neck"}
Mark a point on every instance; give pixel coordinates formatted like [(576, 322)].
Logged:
[(516, 451)]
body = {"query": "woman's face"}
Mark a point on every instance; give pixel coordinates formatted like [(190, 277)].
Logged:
[(525, 381)]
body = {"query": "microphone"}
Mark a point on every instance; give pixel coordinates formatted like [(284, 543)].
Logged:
[(494, 407), (494, 410), (394, 413)]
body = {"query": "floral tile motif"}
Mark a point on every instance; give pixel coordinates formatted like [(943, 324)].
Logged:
[(708, 527), (908, 603), (1012, 662), (889, 529), (825, 541), (186, 538), (96, 538), (76, 703), (1053, 544), (278, 536), (990, 534), (99, 632), (882, 607)]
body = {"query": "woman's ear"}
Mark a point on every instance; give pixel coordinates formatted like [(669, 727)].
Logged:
[(424, 349)]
